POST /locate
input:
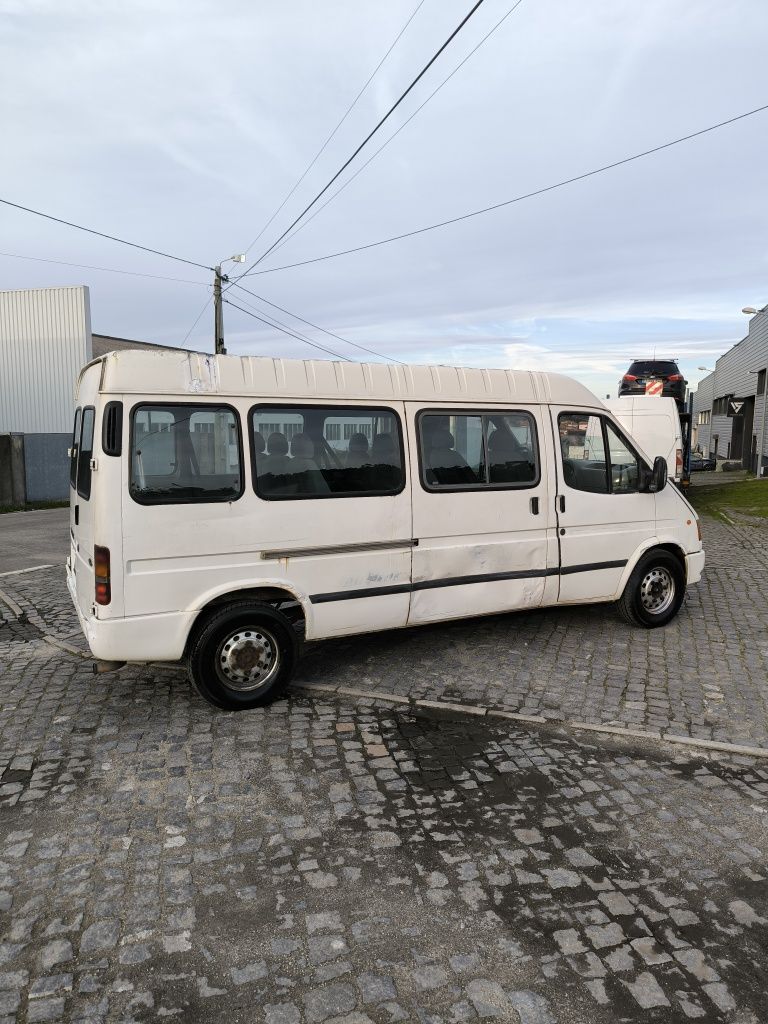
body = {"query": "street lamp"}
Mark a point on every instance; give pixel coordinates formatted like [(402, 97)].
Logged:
[(218, 309), (707, 369)]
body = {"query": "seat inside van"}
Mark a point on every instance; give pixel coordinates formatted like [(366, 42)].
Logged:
[(444, 465)]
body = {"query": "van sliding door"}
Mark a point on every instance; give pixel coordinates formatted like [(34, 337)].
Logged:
[(480, 511)]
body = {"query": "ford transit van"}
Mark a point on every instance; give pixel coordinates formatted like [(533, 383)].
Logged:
[(222, 508)]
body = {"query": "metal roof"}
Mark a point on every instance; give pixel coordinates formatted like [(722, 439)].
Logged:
[(188, 373)]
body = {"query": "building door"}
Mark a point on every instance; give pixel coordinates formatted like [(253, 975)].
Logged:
[(737, 437), (747, 418)]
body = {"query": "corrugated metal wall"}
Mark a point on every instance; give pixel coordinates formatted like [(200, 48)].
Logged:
[(45, 338), (736, 374)]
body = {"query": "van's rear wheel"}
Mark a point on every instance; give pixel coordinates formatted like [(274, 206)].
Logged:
[(655, 590), (244, 656)]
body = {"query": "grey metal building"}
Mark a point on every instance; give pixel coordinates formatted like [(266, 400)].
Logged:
[(729, 407), (45, 339)]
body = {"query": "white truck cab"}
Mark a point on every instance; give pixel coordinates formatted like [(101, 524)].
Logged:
[(223, 507)]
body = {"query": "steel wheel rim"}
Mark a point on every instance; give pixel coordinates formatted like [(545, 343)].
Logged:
[(248, 659), (657, 590)]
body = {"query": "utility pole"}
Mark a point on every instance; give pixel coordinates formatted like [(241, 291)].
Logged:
[(218, 312), (218, 309)]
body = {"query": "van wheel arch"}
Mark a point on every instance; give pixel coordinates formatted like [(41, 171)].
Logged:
[(673, 549), (281, 600)]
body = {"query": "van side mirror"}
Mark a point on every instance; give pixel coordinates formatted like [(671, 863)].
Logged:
[(658, 479)]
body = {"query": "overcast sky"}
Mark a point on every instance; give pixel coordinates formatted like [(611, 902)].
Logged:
[(182, 124)]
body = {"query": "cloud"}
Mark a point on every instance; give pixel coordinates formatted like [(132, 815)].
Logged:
[(182, 126)]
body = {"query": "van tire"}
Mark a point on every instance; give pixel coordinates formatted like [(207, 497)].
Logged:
[(655, 591), (243, 656)]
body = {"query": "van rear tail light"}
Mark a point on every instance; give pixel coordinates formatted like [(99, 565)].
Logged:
[(101, 570), (629, 376), (675, 376), (678, 461)]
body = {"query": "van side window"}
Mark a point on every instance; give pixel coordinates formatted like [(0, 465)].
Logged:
[(85, 453), (583, 449), (182, 453), (74, 449), (625, 466), (470, 451), (325, 451)]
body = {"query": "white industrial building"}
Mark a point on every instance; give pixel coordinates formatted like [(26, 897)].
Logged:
[(45, 339), (729, 407)]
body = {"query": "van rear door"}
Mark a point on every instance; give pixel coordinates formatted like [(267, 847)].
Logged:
[(81, 488)]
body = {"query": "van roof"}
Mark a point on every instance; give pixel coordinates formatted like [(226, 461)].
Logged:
[(189, 373)]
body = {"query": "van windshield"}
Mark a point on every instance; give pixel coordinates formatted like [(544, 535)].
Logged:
[(185, 453)]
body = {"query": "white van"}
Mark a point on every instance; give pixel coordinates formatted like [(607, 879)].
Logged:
[(654, 423), (223, 507)]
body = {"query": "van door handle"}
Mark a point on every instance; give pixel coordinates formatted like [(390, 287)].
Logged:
[(77, 515), (561, 500), (534, 506)]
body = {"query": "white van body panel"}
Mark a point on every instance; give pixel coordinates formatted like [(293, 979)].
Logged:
[(654, 423), (359, 563)]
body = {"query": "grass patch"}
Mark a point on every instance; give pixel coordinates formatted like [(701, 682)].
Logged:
[(749, 497), (33, 505)]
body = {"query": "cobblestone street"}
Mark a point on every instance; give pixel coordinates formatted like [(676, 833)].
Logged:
[(330, 860)]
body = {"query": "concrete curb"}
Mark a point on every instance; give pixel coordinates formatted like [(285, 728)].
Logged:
[(480, 711), (17, 612), (62, 645), (467, 710)]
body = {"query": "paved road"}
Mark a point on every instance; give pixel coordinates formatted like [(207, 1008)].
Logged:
[(322, 861), (33, 538)]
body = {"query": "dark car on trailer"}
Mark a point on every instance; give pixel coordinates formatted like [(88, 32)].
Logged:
[(643, 371), (701, 464)]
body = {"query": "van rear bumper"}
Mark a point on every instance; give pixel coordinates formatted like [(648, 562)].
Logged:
[(694, 565), (141, 638)]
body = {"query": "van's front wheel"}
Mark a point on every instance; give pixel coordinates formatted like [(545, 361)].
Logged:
[(243, 657), (655, 590)]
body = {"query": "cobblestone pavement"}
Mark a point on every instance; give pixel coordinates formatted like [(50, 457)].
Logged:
[(326, 862), (705, 675), (321, 861)]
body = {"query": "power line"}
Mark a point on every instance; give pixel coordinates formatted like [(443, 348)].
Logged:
[(208, 301), (286, 330), (394, 135), (370, 135), (516, 199), (101, 234), (317, 327), (348, 111), (107, 270)]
